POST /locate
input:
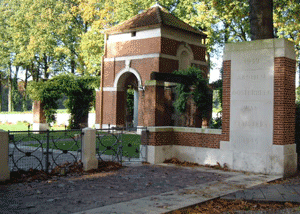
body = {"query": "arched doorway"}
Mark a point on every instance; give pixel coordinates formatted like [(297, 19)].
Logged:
[(128, 83)]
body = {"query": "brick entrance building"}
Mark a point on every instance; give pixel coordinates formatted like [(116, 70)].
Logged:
[(153, 41)]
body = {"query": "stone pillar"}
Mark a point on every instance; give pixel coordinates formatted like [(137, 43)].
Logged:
[(89, 159), (39, 119), (4, 170), (136, 109), (262, 106)]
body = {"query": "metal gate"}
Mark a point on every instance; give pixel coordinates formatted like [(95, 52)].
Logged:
[(120, 144)]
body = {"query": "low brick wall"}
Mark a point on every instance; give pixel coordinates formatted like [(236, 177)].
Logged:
[(183, 136)]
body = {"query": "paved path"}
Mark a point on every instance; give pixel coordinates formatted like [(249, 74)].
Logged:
[(270, 193), (170, 201)]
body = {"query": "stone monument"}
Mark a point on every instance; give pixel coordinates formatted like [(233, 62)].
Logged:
[(262, 106)]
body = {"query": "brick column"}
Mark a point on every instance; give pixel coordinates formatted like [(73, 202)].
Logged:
[(39, 119), (284, 101), (226, 99), (98, 113), (153, 104)]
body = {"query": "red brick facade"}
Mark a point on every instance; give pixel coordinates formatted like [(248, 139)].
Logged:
[(198, 139), (284, 112), (155, 106), (226, 100), (284, 101), (182, 139)]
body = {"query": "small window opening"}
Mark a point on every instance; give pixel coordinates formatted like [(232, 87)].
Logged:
[(133, 33)]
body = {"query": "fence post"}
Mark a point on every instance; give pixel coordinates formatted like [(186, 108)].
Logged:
[(47, 152), (4, 171), (89, 159)]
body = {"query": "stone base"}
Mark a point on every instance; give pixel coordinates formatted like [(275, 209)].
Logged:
[(89, 159), (4, 170), (40, 126), (4, 174), (281, 161)]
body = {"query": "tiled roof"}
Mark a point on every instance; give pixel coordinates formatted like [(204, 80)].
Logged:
[(155, 16)]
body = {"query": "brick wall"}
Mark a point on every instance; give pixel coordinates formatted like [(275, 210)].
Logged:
[(155, 108), (197, 139), (226, 100), (97, 108), (168, 65), (199, 52), (109, 107), (134, 47), (182, 138), (169, 46), (284, 101)]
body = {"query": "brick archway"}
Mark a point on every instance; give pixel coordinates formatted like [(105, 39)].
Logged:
[(127, 79)]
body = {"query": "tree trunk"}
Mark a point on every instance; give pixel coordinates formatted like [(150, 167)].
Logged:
[(73, 65), (46, 66), (261, 19), (24, 102), (10, 85)]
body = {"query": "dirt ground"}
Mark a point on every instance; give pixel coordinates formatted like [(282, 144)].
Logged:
[(76, 191), (68, 189)]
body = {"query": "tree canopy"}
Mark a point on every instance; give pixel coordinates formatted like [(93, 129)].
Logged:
[(48, 37)]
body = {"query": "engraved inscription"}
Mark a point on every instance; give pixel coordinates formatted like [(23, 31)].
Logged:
[(252, 124), (251, 76), (252, 92), (251, 61), (248, 108), (248, 140)]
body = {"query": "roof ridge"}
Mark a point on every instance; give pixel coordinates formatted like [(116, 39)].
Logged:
[(159, 14), (157, 4), (154, 16)]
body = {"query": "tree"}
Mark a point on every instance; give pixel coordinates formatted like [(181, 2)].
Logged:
[(80, 91), (287, 23)]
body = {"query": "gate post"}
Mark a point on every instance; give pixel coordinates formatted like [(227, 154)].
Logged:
[(89, 159), (4, 171)]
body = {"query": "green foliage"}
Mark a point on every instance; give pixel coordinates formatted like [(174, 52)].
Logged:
[(215, 123), (48, 92), (130, 101), (218, 85), (298, 95), (80, 91), (200, 93)]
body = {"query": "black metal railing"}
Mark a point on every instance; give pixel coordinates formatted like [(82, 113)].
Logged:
[(120, 144), (43, 150)]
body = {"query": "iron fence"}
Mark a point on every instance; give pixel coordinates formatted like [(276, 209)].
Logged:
[(120, 144), (43, 150)]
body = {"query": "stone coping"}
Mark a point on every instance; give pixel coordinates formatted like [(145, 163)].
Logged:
[(184, 129)]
